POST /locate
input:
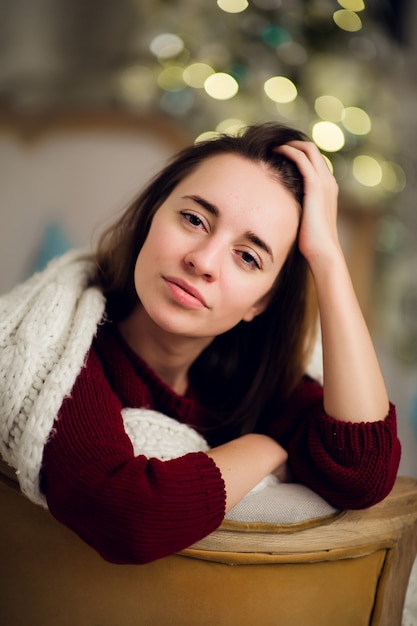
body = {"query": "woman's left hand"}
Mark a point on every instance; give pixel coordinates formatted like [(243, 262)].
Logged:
[(318, 237), (354, 389)]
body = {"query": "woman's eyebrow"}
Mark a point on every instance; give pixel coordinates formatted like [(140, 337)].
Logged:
[(213, 209), (260, 243)]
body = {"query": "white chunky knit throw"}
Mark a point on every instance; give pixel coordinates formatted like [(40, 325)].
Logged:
[(46, 328), (47, 325)]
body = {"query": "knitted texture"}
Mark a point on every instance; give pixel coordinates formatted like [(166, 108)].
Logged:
[(273, 502), (154, 434), (46, 328)]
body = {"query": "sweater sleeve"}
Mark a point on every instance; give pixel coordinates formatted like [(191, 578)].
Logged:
[(129, 509), (351, 465)]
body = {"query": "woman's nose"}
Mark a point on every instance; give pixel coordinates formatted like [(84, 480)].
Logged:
[(203, 261)]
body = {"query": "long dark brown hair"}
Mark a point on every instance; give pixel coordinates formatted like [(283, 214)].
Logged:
[(246, 372)]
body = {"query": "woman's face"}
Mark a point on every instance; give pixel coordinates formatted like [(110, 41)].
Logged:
[(215, 247)]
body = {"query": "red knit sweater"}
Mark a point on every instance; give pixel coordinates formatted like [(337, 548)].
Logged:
[(135, 510)]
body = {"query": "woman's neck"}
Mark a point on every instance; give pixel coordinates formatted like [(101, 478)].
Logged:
[(169, 356)]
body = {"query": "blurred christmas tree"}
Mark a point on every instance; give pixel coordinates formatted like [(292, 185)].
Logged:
[(326, 66), (321, 65)]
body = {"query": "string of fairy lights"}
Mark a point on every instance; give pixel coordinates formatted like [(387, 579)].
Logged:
[(316, 65)]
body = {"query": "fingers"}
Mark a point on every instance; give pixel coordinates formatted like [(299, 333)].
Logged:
[(306, 147), (310, 163), (305, 154)]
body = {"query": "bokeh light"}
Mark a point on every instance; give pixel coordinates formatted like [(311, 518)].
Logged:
[(166, 46), (280, 89), (207, 135), (230, 126), (352, 5), (171, 78), (294, 111), (393, 177), (329, 163), (347, 20), (137, 85), (233, 6), (367, 170), (329, 108), (221, 86), (328, 136), (275, 36), (356, 121), (196, 74)]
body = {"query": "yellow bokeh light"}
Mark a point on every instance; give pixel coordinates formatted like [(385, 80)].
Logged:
[(294, 111), (347, 20), (329, 163), (136, 78), (166, 45), (280, 89), (329, 108), (367, 170), (233, 6), (230, 126), (196, 74), (138, 85), (171, 78), (328, 136), (352, 5), (356, 121), (393, 177), (208, 135), (221, 86)]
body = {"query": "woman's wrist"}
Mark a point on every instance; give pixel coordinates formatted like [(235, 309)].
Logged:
[(245, 461), (270, 452), (328, 259)]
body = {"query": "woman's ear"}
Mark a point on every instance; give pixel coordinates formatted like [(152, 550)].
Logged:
[(258, 308)]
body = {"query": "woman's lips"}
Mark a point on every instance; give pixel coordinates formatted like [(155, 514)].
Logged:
[(184, 293)]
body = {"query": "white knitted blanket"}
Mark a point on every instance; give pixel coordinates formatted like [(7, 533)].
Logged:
[(46, 328), (157, 435)]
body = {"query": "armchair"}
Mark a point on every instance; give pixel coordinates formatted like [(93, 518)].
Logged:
[(349, 568)]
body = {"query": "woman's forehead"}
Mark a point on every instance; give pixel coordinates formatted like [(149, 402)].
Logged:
[(231, 169)]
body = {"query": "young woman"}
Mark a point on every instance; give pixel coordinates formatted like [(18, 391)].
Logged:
[(210, 317)]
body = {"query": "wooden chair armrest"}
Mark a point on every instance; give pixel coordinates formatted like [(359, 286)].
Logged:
[(390, 525), (379, 526)]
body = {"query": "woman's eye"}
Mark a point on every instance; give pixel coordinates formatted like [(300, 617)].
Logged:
[(250, 260), (192, 219)]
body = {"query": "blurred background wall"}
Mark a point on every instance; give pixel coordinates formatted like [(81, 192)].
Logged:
[(96, 95)]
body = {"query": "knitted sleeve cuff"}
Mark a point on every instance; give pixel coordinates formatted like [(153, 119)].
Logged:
[(348, 441)]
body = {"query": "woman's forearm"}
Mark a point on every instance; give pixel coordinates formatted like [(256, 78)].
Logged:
[(244, 462), (354, 388)]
